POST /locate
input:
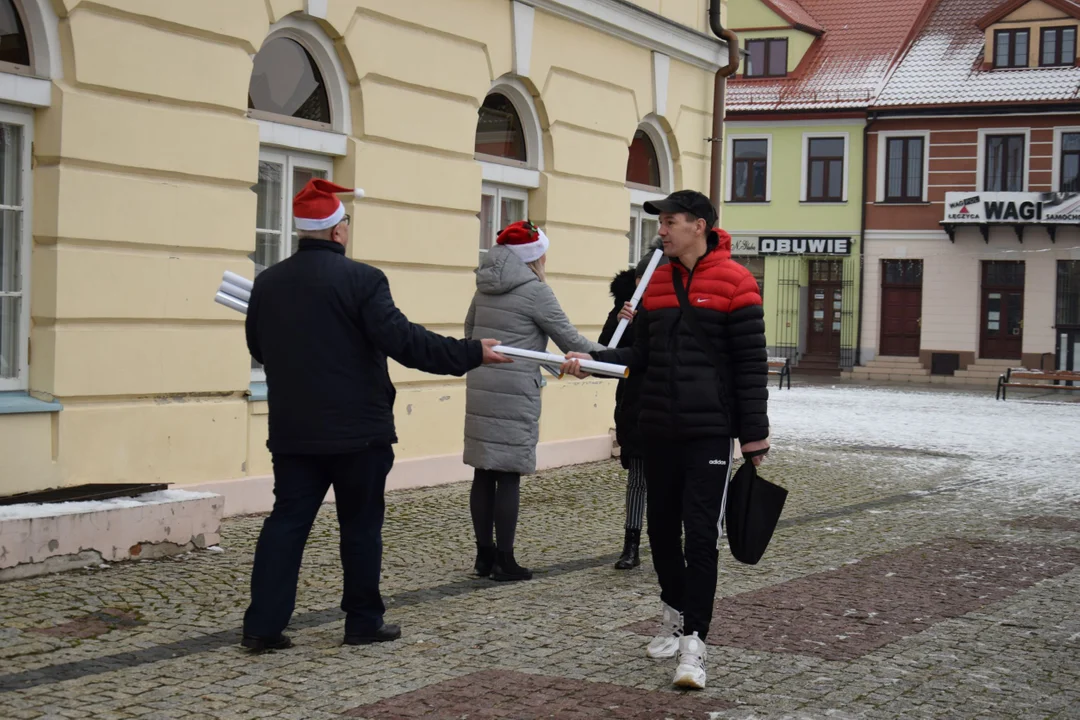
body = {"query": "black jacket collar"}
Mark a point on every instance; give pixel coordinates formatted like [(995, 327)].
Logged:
[(315, 244)]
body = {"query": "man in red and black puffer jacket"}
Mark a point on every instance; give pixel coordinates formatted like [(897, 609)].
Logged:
[(696, 399)]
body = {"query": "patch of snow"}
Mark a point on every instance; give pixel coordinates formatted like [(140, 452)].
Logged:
[(216, 548), (26, 511)]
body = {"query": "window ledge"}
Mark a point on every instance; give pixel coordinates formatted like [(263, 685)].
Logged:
[(294, 137), (25, 90), (257, 392), (891, 203), (18, 403), (510, 175), (816, 203), (752, 202)]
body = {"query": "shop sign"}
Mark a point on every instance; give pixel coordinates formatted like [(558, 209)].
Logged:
[(1012, 208), (744, 246), (804, 246)]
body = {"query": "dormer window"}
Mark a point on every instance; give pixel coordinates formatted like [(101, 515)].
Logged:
[(1058, 47), (1011, 48), (766, 58)]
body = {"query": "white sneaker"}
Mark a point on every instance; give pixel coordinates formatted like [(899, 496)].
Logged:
[(690, 672), (666, 643)]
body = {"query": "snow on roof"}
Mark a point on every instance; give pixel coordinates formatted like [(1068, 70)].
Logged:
[(795, 14), (944, 66), (845, 66)]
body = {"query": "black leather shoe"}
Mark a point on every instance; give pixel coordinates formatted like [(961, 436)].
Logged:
[(506, 568), (258, 644), (386, 633), (630, 557)]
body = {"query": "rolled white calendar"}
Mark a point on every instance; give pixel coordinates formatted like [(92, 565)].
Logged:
[(235, 291)]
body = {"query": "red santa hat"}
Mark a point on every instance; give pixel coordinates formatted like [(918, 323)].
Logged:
[(525, 240), (317, 207)]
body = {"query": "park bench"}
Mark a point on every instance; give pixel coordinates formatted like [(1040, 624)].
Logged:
[(781, 367), (1036, 380)]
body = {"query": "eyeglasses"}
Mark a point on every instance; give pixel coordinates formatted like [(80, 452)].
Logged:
[(347, 220)]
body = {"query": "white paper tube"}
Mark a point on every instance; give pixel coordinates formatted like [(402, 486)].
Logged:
[(624, 323), (230, 302), (238, 280), (237, 292), (589, 366)]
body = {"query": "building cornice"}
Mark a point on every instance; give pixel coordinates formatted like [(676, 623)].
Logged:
[(641, 27)]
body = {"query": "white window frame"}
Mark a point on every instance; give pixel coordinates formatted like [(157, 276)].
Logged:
[(729, 150), (499, 192), (637, 214), (25, 119), (804, 183), (882, 163), (1059, 141), (980, 170), (289, 161), (507, 178)]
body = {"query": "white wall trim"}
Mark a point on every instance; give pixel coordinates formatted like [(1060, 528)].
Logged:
[(316, 8), (804, 184), (245, 496), (883, 138), (510, 175), (639, 197), (794, 123), (651, 126), (308, 33), (794, 233), (661, 69), (905, 235), (304, 139), (525, 104), (729, 152), (24, 90), (1056, 160), (524, 22), (980, 168), (623, 20), (43, 31)]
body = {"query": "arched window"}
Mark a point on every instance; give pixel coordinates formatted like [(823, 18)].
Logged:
[(509, 148), (287, 82), (299, 95), (648, 176), (14, 46), (499, 133)]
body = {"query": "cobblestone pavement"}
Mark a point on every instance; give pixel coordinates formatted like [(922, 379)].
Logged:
[(927, 566)]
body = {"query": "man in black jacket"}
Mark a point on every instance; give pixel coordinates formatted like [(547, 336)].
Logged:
[(700, 345), (322, 326)]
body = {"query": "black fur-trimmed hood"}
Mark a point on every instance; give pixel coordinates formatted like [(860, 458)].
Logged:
[(622, 286)]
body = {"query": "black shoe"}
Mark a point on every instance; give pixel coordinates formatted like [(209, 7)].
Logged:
[(485, 560), (630, 558), (386, 633), (506, 568), (258, 644)]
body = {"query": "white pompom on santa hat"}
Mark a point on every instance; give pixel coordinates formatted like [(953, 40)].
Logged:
[(317, 207)]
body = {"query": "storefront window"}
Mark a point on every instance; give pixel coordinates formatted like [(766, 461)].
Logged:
[(1068, 293)]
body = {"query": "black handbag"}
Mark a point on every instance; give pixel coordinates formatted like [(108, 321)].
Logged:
[(752, 504)]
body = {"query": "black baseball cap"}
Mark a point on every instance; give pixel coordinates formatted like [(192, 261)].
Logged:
[(685, 201)]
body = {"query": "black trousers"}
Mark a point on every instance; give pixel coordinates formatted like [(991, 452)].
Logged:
[(686, 483), (300, 484)]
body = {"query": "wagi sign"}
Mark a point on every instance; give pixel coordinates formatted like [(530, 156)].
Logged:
[(1012, 208)]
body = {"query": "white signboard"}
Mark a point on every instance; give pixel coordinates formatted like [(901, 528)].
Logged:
[(744, 246), (1012, 208), (804, 246)]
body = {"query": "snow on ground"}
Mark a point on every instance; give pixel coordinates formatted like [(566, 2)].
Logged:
[(25, 511), (1013, 447)]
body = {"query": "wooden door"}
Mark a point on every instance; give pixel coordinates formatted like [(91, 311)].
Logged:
[(1002, 318), (901, 307), (826, 303)]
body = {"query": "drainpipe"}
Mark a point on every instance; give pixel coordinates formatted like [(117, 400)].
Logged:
[(862, 234), (719, 86)]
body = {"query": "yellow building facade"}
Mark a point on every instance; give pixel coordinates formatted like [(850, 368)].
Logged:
[(150, 145)]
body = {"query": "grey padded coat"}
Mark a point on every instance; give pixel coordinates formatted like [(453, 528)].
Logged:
[(502, 402)]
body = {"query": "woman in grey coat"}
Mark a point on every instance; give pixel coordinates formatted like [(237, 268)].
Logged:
[(502, 407)]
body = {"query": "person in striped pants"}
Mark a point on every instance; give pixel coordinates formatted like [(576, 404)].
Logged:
[(627, 400)]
